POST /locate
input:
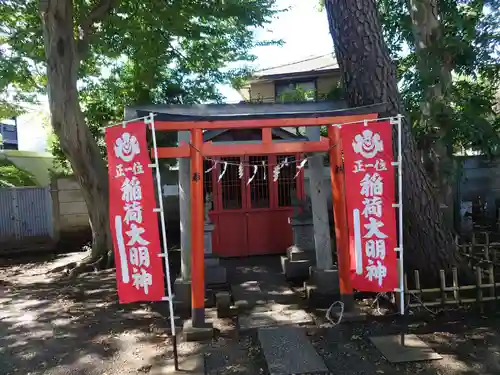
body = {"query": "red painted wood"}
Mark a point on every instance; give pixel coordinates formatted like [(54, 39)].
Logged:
[(270, 148), (261, 123), (269, 232), (261, 226), (197, 223), (231, 234)]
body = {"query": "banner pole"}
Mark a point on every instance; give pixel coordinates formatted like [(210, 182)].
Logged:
[(400, 212), (398, 122), (151, 121)]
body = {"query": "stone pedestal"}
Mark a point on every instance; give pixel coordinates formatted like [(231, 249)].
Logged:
[(296, 263), (300, 256), (191, 333), (215, 274), (303, 233), (322, 288)]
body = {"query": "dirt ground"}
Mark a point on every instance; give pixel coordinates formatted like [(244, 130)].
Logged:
[(53, 328), (469, 345)]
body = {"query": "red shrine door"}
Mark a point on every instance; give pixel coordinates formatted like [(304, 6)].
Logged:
[(252, 219)]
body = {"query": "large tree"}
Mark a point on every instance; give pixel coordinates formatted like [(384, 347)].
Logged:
[(80, 43), (369, 77), (448, 64)]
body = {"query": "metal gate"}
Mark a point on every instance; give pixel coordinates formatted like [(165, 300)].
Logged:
[(25, 212)]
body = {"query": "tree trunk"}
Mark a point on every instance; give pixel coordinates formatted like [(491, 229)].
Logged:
[(369, 78), (435, 70), (68, 121)]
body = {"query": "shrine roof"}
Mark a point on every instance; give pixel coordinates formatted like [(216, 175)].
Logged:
[(247, 111)]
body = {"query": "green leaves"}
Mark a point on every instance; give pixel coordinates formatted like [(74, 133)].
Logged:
[(470, 45), (153, 51), (192, 37), (11, 176)]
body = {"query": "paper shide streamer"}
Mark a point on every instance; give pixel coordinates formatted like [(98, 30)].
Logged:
[(254, 169)]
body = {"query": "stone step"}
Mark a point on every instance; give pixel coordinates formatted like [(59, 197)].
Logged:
[(287, 351), (247, 295)]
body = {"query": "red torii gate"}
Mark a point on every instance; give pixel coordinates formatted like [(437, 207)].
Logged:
[(197, 150)]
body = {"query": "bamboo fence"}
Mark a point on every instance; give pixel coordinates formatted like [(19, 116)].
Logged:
[(482, 255)]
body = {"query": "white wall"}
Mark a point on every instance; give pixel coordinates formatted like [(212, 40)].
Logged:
[(33, 129)]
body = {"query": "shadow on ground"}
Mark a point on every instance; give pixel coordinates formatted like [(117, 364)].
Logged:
[(53, 327), (56, 328), (50, 326)]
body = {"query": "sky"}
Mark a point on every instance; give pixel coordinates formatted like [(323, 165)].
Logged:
[(304, 30)]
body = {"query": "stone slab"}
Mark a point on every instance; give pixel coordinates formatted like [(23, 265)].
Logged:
[(193, 365), (215, 275), (295, 269), (223, 304), (414, 349), (190, 333), (211, 261), (277, 315), (247, 295), (294, 253), (288, 351)]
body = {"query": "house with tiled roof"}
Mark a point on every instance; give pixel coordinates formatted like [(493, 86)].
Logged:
[(318, 76)]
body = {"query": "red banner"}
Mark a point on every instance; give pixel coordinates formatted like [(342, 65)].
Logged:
[(370, 194), (134, 224)]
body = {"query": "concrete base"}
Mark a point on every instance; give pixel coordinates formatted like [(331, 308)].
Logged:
[(322, 289), (326, 281), (190, 333), (413, 350)]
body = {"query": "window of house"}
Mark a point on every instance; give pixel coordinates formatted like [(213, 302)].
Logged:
[(296, 91)]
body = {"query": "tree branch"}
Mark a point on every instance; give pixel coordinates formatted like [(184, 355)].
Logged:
[(86, 29)]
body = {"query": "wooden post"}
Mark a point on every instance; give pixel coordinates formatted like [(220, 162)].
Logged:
[(340, 217), (197, 222)]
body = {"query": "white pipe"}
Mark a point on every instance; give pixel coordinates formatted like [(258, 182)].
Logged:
[(150, 119), (400, 214)]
